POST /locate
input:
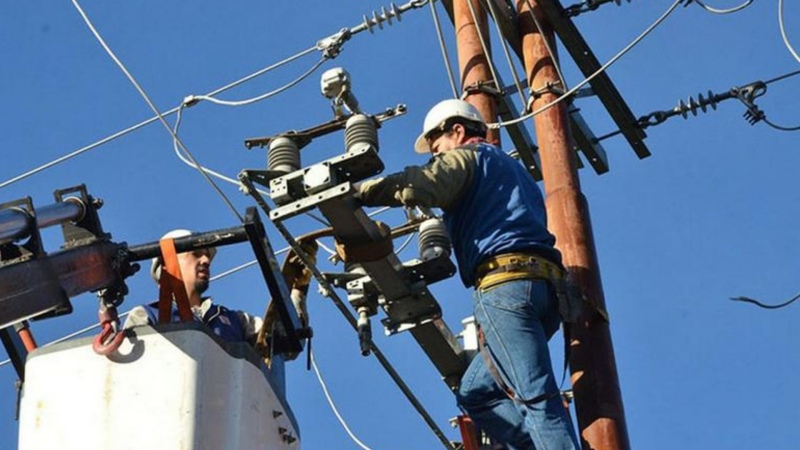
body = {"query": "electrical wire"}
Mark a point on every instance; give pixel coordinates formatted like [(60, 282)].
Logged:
[(783, 77), (333, 405), (602, 69), (784, 36), (266, 95), (507, 54), (443, 48), (405, 244), (547, 45), (484, 46), (778, 127), (773, 80), (185, 160), (213, 173), (325, 48), (153, 107), (153, 119), (765, 306), (723, 11)]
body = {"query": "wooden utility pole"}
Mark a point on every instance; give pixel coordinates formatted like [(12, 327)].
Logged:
[(473, 63), (598, 401)]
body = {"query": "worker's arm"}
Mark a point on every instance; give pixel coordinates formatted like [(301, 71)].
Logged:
[(250, 324), (440, 183)]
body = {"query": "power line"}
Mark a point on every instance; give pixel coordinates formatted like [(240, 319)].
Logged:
[(443, 48), (721, 11), (153, 107), (765, 306), (152, 119), (333, 405), (592, 76), (266, 95), (783, 32)]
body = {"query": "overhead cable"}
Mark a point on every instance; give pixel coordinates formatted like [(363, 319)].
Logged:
[(783, 32), (721, 11), (153, 107), (443, 48), (330, 46), (333, 405), (144, 123), (507, 54), (602, 69), (484, 46), (547, 45), (210, 172), (765, 306), (260, 97), (747, 94)]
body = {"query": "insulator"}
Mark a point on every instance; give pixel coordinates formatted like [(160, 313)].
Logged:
[(692, 105), (360, 130), (433, 239), (283, 155), (385, 16)]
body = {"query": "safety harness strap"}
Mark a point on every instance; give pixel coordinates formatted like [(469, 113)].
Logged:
[(170, 285), (487, 357)]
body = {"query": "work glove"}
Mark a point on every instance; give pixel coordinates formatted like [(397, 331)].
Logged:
[(301, 273), (357, 252)]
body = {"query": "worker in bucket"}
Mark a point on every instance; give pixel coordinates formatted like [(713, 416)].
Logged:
[(495, 215), (195, 266)]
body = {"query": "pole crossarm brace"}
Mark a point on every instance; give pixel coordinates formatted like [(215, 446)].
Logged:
[(585, 141), (602, 85)]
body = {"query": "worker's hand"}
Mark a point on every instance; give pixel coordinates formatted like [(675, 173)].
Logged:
[(357, 252), (303, 278), (357, 194), (299, 301)]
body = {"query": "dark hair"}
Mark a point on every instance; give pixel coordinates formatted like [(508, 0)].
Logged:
[(471, 128)]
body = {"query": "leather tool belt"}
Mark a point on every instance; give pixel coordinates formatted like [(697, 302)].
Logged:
[(517, 266)]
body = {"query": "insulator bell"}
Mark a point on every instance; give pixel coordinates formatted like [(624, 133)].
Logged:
[(433, 239), (360, 130), (283, 155)]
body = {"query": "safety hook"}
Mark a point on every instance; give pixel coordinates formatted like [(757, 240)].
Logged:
[(108, 341), (110, 337)]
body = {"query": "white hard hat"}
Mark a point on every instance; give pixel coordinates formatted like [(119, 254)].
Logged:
[(446, 109), (155, 264)]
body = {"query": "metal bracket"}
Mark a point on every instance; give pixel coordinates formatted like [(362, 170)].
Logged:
[(303, 137), (289, 337)]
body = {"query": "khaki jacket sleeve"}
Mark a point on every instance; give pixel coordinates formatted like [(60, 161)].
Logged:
[(440, 183)]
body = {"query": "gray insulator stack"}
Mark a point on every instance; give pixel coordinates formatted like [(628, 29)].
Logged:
[(433, 239), (359, 132), (283, 155)]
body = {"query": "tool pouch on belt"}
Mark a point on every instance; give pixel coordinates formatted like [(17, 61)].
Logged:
[(372, 250)]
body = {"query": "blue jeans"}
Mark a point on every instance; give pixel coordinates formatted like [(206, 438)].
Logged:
[(517, 319)]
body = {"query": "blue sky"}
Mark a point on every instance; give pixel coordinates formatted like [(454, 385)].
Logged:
[(709, 216)]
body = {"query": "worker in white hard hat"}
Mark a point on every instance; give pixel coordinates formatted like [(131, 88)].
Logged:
[(495, 215), (195, 266)]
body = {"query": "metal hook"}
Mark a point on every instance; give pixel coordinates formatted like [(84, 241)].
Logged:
[(108, 341)]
